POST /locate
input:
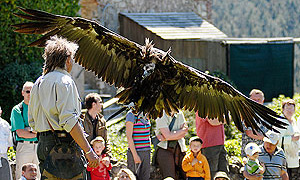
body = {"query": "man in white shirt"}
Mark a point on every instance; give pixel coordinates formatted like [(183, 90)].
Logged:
[(5, 143)]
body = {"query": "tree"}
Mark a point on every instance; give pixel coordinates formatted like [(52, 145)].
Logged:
[(19, 63)]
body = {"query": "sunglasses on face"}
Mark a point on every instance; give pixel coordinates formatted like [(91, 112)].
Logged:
[(28, 92)]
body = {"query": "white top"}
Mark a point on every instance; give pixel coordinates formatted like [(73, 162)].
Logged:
[(164, 122), (54, 97), (290, 147), (5, 137)]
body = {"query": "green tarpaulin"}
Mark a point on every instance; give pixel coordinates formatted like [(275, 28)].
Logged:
[(268, 67)]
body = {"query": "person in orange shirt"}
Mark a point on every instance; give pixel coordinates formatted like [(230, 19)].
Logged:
[(194, 163)]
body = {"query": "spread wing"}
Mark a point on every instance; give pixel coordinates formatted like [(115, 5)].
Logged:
[(215, 98), (112, 57), (152, 79)]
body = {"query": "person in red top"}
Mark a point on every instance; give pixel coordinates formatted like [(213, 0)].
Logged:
[(211, 131), (100, 172)]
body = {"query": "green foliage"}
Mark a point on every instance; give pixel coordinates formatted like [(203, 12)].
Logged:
[(231, 132), (12, 78), (11, 153), (118, 141), (233, 147), (14, 53), (257, 18)]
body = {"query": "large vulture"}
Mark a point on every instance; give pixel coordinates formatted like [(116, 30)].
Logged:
[(152, 79)]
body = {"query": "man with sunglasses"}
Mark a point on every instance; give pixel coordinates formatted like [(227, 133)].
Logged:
[(26, 138)]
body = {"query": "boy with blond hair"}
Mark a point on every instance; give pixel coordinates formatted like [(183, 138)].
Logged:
[(194, 163), (100, 172)]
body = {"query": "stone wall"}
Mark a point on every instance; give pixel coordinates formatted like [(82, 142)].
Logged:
[(108, 10)]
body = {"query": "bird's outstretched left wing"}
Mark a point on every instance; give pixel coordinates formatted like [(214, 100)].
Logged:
[(112, 57)]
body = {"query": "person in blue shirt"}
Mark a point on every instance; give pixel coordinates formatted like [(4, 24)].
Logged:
[(26, 138)]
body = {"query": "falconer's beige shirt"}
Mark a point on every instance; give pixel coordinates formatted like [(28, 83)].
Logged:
[(54, 97)]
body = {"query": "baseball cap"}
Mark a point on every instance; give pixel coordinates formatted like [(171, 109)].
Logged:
[(98, 138), (272, 137), (252, 148)]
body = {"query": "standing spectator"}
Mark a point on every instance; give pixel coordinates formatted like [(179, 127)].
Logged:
[(94, 123), (29, 172), (211, 131), (100, 172), (171, 149), (194, 163), (139, 150), (289, 137), (248, 136), (273, 158), (5, 143), (25, 136), (54, 107)]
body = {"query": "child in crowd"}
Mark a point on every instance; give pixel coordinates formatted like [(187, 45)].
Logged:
[(194, 163), (221, 176), (253, 167), (125, 174), (100, 172)]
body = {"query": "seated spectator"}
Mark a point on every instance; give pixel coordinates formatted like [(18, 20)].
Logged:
[(273, 158), (125, 174), (29, 172), (253, 166), (289, 137), (100, 172), (138, 138), (5, 143), (194, 163), (221, 176)]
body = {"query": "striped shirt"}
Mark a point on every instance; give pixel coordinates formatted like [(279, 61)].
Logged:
[(274, 163), (141, 131)]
